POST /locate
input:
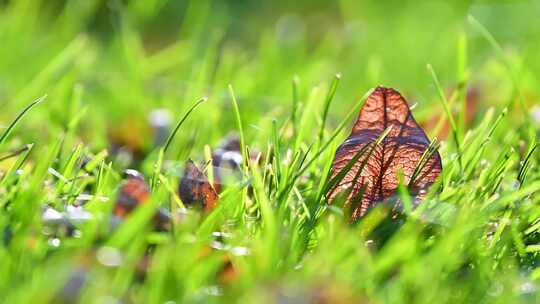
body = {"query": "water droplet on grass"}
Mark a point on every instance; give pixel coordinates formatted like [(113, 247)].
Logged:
[(108, 256), (240, 251), (54, 242), (528, 288)]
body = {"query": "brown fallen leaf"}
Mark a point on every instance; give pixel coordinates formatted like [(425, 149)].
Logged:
[(227, 273), (195, 190), (401, 150), (134, 192)]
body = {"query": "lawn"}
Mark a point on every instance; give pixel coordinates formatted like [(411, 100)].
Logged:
[(260, 95)]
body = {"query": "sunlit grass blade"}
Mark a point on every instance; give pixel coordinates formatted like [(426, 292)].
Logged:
[(243, 150), (295, 104), (330, 140), (327, 103), (524, 168), (277, 150), (161, 152), (12, 125), (424, 159), (448, 112), (15, 153), (500, 52), (463, 78), (181, 122), (334, 182), (240, 127), (24, 154)]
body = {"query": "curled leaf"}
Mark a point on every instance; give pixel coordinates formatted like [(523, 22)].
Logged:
[(195, 189), (385, 142)]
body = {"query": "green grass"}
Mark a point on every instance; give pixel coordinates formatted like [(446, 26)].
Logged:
[(289, 79)]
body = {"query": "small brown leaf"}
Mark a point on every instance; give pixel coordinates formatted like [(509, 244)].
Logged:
[(400, 151), (195, 189), (134, 192)]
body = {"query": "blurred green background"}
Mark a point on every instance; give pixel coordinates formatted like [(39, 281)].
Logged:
[(130, 57)]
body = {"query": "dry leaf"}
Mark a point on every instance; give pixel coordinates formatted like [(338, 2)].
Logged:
[(134, 192), (400, 151), (195, 189)]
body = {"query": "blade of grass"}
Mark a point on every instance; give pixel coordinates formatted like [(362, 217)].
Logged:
[(180, 122), (242, 147), (334, 182), (15, 153), (327, 102), (277, 150), (523, 170), (295, 102), (447, 110), (161, 153), (463, 77), (500, 52), (18, 164), (7, 132), (431, 149), (330, 140), (240, 128)]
